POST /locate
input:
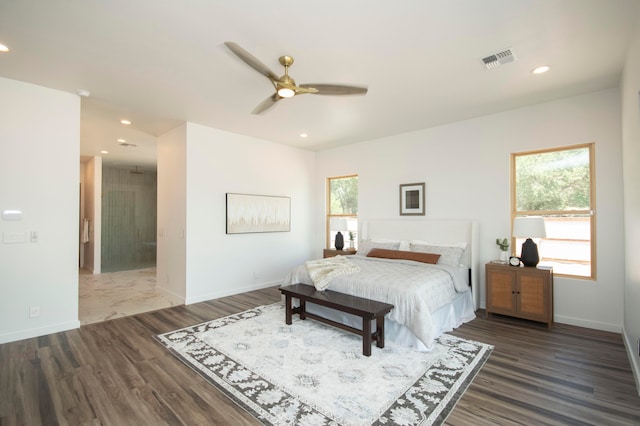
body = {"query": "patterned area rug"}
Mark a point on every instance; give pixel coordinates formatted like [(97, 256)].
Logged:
[(311, 374)]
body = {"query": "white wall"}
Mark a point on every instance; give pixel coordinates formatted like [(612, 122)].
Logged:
[(219, 162), (39, 174), (171, 215), (197, 166), (630, 89), (466, 169)]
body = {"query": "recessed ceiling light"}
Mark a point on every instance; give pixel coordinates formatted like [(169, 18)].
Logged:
[(83, 93), (104, 152), (120, 140), (541, 70), (303, 135), (125, 121), (3, 48)]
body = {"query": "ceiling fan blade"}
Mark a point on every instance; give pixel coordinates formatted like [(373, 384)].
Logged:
[(266, 104), (302, 90), (336, 89), (251, 60)]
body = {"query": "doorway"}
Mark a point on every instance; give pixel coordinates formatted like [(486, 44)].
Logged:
[(118, 251)]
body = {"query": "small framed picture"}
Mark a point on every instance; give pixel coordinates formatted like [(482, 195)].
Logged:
[(412, 199)]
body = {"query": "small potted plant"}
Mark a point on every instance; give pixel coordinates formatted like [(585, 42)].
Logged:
[(504, 246), (352, 237)]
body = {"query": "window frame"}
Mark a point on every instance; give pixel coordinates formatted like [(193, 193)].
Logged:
[(328, 211), (590, 212)]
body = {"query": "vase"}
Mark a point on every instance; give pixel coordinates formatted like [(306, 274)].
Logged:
[(504, 256), (529, 255), (339, 241)]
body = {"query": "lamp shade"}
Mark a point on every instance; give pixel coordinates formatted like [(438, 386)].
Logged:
[(529, 227), (339, 224)]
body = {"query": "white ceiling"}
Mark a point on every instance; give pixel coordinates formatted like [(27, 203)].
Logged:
[(160, 62)]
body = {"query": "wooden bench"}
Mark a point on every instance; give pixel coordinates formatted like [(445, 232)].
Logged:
[(366, 309)]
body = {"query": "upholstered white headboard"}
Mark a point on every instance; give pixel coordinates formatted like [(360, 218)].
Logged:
[(433, 231)]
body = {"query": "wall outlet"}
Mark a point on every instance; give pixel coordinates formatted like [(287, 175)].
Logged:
[(34, 311), (33, 235)]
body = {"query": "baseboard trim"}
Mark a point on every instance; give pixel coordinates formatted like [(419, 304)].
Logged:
[(37, 332), (230, 292), (603, 326), (633, 358)]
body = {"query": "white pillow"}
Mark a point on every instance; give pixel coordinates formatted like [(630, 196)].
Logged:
[(384, 240), (462, 244), (366, 245), (404, 244), (449, 255)]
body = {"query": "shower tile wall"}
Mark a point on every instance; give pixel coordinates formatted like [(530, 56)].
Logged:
[(128, 219)]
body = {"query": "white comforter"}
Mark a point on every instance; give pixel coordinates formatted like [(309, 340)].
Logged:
[(415, 289)]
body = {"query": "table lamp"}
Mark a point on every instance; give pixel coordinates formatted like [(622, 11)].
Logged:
[(529, 227), (339, 224)]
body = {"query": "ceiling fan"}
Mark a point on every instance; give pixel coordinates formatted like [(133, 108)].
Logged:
[(285, 85)]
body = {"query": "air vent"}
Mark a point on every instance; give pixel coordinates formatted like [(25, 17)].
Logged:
[(128, 145), (500, 58)]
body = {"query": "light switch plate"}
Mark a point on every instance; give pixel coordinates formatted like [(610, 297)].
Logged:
[(9, 214), (14, 237)]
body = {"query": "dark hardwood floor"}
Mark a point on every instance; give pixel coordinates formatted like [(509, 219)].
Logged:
[(115, 373)]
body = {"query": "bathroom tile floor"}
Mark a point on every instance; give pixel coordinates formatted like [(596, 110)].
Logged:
[(119, 294)]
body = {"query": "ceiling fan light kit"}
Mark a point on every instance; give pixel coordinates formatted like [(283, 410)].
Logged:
[(285, 86), (285, 92)]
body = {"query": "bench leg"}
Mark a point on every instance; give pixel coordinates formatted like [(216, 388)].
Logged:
[(366, 337), (287, 317), (303, 307), (380, 332)]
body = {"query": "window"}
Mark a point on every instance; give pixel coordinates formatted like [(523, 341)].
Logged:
[(342, 209), (558, 184)]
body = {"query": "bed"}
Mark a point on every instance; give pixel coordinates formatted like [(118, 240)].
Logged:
[(429, 298)]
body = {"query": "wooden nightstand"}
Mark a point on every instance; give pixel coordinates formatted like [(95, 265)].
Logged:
[(520, 292), (333, 252)]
